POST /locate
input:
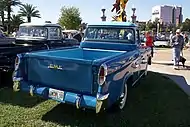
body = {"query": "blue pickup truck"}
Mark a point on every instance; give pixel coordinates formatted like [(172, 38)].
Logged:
[(95, 75)]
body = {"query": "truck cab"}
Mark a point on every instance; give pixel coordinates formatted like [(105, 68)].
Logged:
[(95, 75), (50, 34), (30, 37)]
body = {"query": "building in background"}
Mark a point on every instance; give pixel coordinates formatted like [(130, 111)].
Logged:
[(167, 14), (177, 15)]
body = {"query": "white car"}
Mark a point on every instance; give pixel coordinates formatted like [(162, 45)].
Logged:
[(162, 43)]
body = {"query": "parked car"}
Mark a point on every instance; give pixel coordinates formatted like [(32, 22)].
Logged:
[(6, 40), (162, 43), (95, 75), (31, 37)]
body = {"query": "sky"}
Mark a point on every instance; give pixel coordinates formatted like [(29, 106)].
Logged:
[(91, 9)]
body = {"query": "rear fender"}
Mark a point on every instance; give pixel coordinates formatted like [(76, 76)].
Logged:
[(127, 77)]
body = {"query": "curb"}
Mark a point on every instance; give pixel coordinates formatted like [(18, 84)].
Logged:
[(168, 62)]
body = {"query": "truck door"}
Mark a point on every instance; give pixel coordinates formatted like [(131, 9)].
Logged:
[(138, 62), (136, 65)]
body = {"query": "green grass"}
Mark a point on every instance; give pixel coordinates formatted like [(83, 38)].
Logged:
[(156, 102)]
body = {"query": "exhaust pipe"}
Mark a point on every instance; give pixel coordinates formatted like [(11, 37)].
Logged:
[(31, 90), (16, 85), (99, 104)]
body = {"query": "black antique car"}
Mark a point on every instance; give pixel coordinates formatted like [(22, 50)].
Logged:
[(31, 37)]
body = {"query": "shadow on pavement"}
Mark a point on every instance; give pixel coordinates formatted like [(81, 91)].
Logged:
[(181, 81), (168, 64), (187, 68), (156, 102), (6, 79), (8, 96)]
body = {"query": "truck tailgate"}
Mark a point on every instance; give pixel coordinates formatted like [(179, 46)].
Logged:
[(71, 75)]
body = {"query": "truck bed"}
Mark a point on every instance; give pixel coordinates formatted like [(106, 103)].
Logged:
[(75, 68), (80, 54)]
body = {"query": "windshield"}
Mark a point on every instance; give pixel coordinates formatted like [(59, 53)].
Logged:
[(119, 35), (32, 32)]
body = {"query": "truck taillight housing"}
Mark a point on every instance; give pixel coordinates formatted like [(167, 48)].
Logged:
[(102, 74)]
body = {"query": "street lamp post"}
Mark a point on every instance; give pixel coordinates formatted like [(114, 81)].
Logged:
[(103, 14), (158, 28), (134, 17)]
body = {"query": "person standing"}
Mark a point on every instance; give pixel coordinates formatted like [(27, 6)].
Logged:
[(15, 32), (149, 42), (186, 39), (170, 38), (177, 47)]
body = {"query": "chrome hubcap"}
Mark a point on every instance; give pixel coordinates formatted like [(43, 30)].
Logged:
[(123, 97)]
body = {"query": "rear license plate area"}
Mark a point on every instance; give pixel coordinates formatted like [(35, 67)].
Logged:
[(56, 94)]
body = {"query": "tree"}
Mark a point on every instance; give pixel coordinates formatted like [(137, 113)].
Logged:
[(16, 20), (149, 25), (185, 26), (70, 18), (29, 11), (141, 25), (171, 27), (9, 4), (2, 11), (156, 21)]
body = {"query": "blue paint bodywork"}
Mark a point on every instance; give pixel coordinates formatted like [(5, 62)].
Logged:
[(77, 70)]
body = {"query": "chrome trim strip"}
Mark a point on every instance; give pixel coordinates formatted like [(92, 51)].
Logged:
[(103, 50)]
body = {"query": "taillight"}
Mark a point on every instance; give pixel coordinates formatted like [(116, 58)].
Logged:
[(102, 74)]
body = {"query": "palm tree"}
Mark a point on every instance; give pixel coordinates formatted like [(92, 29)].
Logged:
[(2, 11), (16, 20), (29, 11), (9, 4)]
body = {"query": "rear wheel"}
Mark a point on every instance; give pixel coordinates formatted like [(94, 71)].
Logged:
[(123, 98), (122, 101)]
